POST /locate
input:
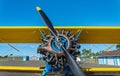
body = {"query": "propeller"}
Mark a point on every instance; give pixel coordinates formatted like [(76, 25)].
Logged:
[(47, 21), (76, 69)]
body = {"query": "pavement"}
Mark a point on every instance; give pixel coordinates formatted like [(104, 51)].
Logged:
[(21, 63), (18, 74), (90, 65)]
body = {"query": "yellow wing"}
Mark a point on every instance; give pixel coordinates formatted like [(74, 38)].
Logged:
[(31, 34), (38, 70)]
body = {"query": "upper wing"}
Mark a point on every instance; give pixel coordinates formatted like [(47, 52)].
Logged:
[(31, 34)]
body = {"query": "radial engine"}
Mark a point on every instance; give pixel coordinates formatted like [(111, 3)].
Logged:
[(52, 51)]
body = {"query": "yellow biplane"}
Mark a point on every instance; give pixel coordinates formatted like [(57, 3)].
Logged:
[(31, 34)]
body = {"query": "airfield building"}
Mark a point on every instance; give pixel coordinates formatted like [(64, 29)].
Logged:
[(18, 58), (110, 58)]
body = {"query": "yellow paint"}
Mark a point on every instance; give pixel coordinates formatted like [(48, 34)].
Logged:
[(38, 8), (37, 69), (102, 69), (20, 68), (30, 34)]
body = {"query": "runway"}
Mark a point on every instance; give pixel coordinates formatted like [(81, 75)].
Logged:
[(18, 74), (21, 63)]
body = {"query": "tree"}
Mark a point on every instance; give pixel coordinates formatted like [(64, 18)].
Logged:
[(86, 53), (11, 54), (118, 46), (6, 56)]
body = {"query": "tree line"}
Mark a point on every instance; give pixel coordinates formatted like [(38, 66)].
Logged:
[(87, 53)]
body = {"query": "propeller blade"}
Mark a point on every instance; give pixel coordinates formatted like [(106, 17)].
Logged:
[(76, 69), (47, 21)]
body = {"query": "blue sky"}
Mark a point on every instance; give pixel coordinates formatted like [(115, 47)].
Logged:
[(31, 49), (60, 12)]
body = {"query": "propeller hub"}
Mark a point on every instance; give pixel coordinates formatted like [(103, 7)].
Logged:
[(56, 43)]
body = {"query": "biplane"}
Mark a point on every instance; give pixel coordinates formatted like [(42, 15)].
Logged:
[(59, 44)]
